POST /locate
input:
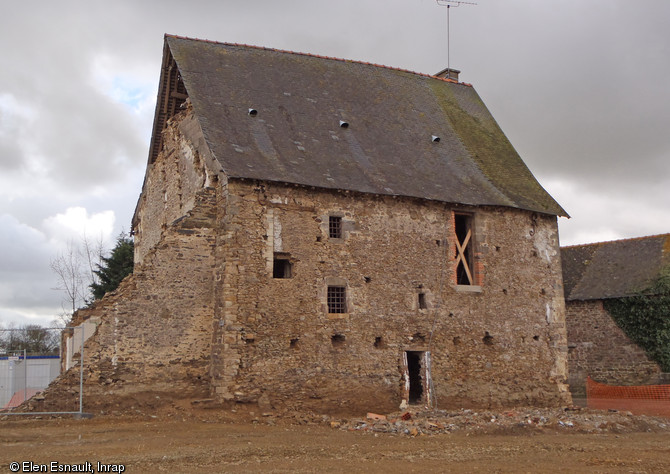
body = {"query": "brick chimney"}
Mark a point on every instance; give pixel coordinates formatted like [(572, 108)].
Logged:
[(448, 73)]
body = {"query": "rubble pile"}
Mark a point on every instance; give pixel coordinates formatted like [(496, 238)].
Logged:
[(517, 421)]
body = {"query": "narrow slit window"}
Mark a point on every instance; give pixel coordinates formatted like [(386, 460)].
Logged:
[(337, 299), (464, 249), (281, 266), (335, 227), (422, 301)]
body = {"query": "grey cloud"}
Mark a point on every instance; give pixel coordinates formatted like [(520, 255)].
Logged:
[(586, 89), (25, 278)]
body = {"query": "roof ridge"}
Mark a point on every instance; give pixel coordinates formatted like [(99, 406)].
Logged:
[(605, 242), (320, 57)]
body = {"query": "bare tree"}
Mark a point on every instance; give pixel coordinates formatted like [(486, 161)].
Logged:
[(75, 271), (93, 253), (3, 338), (68, 268), (32, 338)]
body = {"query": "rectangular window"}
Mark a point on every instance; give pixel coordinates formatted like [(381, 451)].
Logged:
[(464, 249), (335, 227), (281, 266), (337, 299), (422, 301)]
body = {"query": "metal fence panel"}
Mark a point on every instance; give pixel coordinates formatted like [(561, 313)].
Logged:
[(23, 373)]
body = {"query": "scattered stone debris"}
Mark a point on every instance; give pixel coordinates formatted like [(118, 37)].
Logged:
[(516, 421), (411, 421)]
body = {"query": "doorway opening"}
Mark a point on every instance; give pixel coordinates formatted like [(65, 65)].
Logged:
[(414, 373)]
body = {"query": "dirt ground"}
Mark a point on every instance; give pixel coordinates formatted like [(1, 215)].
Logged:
[(145, 444)]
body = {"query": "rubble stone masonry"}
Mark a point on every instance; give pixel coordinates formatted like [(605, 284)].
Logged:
[(600, 349), (498, 343)]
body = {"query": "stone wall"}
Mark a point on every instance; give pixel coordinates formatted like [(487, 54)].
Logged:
[(154, 332), (599, 348), (499, 343), (173, 181)]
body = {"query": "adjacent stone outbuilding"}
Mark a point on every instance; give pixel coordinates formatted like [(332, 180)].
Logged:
[(325, 234), (592, 274)]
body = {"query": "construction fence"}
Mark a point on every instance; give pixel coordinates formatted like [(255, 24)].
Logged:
[(30, 361), (638, 399), (23, 376)]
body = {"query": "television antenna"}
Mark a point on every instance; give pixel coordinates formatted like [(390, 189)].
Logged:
[(449, 4)]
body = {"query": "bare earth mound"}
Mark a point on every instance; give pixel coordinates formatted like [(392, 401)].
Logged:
[(187, 437)]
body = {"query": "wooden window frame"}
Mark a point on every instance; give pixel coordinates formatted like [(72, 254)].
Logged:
[(464, 258)]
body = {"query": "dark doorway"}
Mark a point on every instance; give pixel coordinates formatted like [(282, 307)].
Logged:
[(415, 379)]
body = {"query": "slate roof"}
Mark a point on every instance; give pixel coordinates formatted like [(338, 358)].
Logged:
[(613, 269), (387, 148)]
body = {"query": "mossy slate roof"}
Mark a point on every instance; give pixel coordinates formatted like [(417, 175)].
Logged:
[(614, 269), (387, 148)]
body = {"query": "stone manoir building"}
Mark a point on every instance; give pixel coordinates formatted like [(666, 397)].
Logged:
[(326, 234)]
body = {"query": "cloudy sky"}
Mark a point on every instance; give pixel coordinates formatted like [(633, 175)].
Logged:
[(581, 88)]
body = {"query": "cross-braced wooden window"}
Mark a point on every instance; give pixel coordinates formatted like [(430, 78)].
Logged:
[(464, 249), (335, 227), (337, 299)]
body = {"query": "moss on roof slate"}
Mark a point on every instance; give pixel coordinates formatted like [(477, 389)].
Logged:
[(387, 149)]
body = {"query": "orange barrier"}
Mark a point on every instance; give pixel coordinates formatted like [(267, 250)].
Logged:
[(638, 399)]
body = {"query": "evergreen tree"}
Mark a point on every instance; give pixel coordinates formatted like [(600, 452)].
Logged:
[(114, 268)]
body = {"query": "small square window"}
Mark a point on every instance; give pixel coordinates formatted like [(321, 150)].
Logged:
[(281, 267), (335, 227), (338, 340), (337, 299)]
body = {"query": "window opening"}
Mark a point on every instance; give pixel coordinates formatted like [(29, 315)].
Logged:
[(464, 260), (335, 227), (422, 301), (281, 266), (415, 379), (337, 340), (337, 299)]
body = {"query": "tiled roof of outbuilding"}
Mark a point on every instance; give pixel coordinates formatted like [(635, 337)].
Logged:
[(296, 136), (613, 269)]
